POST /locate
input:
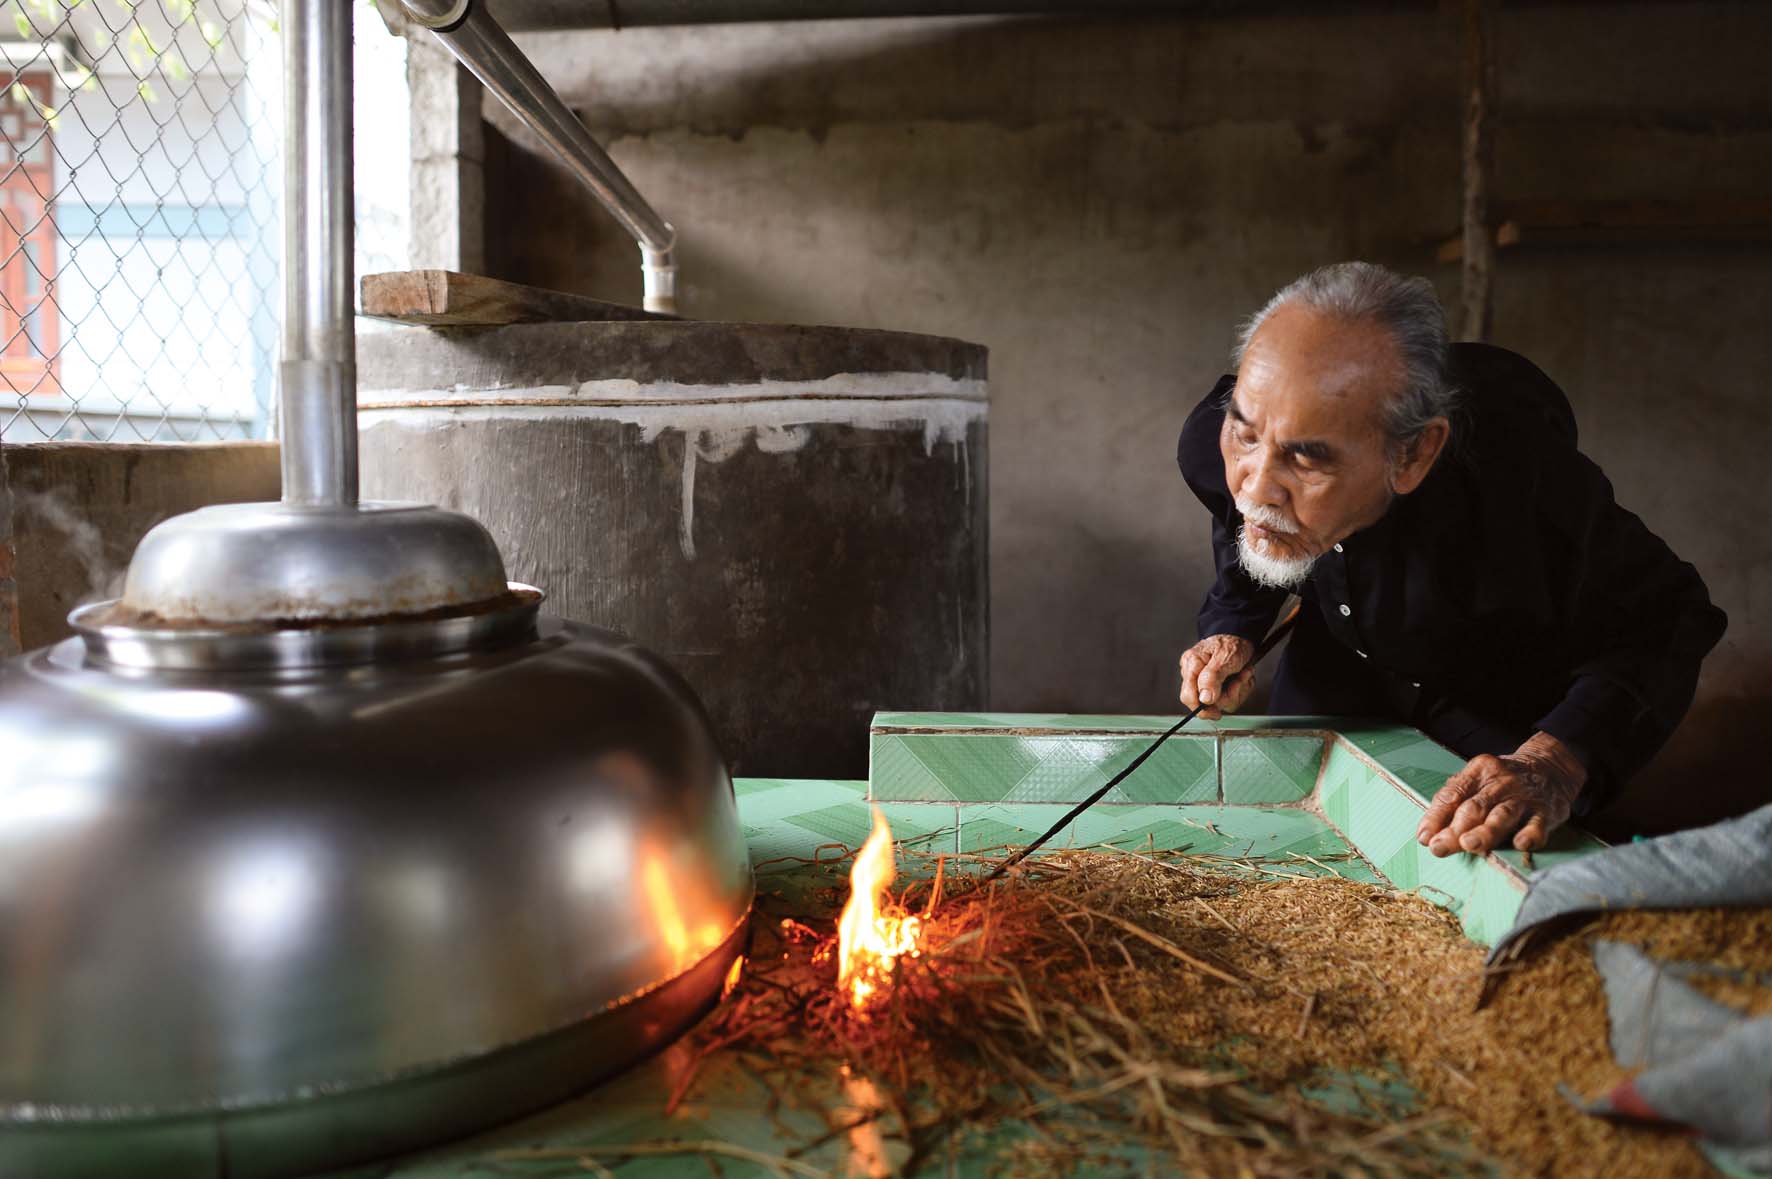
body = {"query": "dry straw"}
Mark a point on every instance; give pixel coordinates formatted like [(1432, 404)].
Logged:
[(1105, 1011)]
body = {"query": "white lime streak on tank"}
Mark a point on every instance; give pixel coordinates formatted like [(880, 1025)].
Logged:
[(686, 517), (714, 420), (716, 449), (617, 391)]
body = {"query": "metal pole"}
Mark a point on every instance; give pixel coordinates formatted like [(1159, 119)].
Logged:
[(318, 371), (478, 42)]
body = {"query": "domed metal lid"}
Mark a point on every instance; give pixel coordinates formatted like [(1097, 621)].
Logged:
[(293, 564), (117, 637)]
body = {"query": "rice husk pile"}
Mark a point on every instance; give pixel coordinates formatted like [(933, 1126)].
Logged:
[(1098, 999)]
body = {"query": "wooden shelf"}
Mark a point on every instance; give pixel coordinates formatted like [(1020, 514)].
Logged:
[(444, 298)]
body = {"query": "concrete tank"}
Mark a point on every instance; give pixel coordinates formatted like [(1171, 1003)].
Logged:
[(794, 516)]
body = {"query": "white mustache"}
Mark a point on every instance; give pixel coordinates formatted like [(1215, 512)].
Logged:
[(1272, 519)]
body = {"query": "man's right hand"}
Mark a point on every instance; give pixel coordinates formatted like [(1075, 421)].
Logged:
[(1213, 675)]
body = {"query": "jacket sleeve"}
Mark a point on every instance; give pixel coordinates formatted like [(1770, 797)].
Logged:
[(1639, 622), (1234, 605)]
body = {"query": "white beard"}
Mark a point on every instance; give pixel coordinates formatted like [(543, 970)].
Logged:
[(1271, 572)]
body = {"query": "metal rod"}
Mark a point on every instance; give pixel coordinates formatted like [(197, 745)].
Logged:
[(469, 32), (318, 371), (1268, 644)]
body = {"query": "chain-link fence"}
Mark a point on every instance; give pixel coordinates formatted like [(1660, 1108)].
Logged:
[(140, 187)]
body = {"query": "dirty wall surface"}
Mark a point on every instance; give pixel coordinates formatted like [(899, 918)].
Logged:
[(1099, 201)]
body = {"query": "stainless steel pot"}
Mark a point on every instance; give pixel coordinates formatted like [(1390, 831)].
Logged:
[(272, 900), (320, 844)]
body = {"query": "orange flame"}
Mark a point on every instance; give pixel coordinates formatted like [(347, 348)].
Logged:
[(869, 940), (732, 976), (661, 895)]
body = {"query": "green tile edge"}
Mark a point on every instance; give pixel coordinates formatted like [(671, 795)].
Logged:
[(1390, 771), (1485, 894)]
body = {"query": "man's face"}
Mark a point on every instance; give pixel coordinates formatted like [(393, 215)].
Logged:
[(1304, 446)]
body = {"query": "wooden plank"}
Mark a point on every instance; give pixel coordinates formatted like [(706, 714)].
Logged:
[(444, 298)]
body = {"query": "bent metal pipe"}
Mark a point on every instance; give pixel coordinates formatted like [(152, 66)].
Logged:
[(470, 33)]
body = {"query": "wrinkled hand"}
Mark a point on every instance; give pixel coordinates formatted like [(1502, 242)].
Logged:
[(1526, 794), (1213, 675)]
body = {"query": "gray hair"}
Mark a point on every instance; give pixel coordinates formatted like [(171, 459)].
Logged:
[(1408, 308)]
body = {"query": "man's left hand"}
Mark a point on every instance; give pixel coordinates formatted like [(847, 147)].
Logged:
[(1526, 794)]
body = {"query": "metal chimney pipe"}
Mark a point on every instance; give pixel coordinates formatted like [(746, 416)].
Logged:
[(318, 371), (481, 44)]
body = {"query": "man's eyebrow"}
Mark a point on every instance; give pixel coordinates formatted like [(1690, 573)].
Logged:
[(1310, 448), (1319, 452)]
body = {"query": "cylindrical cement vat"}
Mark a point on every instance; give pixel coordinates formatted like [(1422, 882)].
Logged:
[(794, 516)]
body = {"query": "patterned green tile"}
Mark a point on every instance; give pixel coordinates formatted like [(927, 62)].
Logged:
[(1070, 769), (895, 772), (763, 799), (987, 826), (1006, 767), (1061, 769), (1380, 817), (894, 722), (1042, 721), (1335, 786), (972, 769), (1422, 765), (1566, 843), (913, 824), (1283, 835), (1400, 868), (1377, 816), (1375, 738), (1265, 768), (729, 1105), (1183, 769), (1408, 755), (1490, 909), (1255, 722)]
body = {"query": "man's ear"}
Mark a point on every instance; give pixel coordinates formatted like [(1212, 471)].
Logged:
[(1407, 474)]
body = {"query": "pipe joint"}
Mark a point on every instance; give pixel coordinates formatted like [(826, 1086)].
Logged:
[(479, 43), (439, 16), (658, 271)]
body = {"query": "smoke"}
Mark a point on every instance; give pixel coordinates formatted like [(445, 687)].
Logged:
[(53, 511)]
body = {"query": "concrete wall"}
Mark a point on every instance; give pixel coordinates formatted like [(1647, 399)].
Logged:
[(1099, 201), (79, 509)]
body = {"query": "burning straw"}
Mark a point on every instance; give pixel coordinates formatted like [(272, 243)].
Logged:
[(1061, 1002), (1106, 1011)]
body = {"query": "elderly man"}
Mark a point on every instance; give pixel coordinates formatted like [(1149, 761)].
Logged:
[(1463, 567)]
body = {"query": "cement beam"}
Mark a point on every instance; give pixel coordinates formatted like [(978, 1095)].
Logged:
[(448, 160)]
